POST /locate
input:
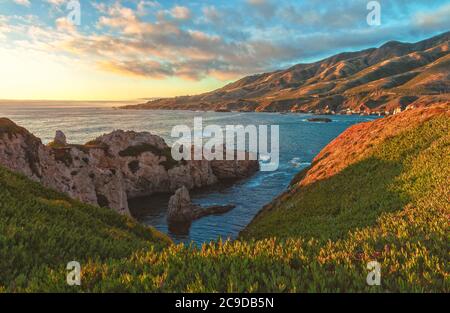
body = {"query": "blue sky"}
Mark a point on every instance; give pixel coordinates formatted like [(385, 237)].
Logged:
[(142, 48)]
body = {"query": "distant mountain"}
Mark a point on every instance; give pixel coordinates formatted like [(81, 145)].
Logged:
[(382, 79)]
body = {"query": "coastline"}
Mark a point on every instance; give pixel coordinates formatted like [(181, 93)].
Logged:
[(83, 124)]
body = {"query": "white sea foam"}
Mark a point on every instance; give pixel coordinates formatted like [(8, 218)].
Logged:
[(297, 162)]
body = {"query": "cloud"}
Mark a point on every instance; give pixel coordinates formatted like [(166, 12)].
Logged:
[(152, 69), (211, 13), (23, 2), (143, 5), (265, 8), (341, 15), (56, 2), (122, 18), (225, 40), (180, 12), (4, 28), (438, 19), (64, 25)]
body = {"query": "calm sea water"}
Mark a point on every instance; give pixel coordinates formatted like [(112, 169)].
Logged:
[(300, 141)]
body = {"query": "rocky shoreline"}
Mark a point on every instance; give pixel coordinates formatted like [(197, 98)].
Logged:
[(182, 212), (111, 169)]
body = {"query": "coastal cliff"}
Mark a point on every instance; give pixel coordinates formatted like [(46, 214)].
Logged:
[(111, 169)]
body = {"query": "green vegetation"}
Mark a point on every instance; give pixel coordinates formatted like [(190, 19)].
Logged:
[(10, 128), (96, 144), (391, 206), (135, 151), (40, 228), (63, 154), (56, 145), (401, 171)]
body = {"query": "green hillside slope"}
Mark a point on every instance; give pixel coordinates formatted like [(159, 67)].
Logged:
[(401, 171), (41, 228)]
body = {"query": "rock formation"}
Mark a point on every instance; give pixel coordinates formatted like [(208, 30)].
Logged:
[(182, 212), (320, 120), (180, 209), (235, 169), (110, 169), (60, 138)]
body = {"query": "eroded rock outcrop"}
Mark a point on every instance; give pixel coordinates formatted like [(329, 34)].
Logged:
[(180, 208), (60, 138), (235, 169), (110, 169), (182, 212), (148, 167), (85, 173)]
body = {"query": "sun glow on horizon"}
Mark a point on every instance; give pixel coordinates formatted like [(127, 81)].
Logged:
[(36, 76)]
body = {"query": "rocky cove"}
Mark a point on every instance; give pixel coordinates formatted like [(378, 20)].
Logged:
[(116, 167), (302, 141)]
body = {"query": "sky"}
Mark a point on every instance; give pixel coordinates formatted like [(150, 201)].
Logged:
[(140, 49)]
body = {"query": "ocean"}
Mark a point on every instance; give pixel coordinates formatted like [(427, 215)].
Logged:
[(300, 142)]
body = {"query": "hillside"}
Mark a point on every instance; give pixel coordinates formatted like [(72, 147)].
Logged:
[(377, 192), (376, 80), (387, 167), (42, 229)]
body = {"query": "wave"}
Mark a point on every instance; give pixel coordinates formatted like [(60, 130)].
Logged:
[(297, 162)]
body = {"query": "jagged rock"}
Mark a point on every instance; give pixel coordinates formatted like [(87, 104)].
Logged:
[(180, 209), (81, 172), (60, 138), (148, 167), (235, 169), (182, 212), (320, 120), (110, 169)]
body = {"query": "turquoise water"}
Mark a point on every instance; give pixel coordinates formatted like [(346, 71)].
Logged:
[(300, 141)]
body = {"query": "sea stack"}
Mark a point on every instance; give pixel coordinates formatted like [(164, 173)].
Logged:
[(60, 138)]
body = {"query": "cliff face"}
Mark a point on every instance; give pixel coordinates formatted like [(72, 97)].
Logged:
[(392, 76), (110, 169)]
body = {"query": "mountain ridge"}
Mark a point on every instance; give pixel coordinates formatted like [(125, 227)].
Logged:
[(367, 81)]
